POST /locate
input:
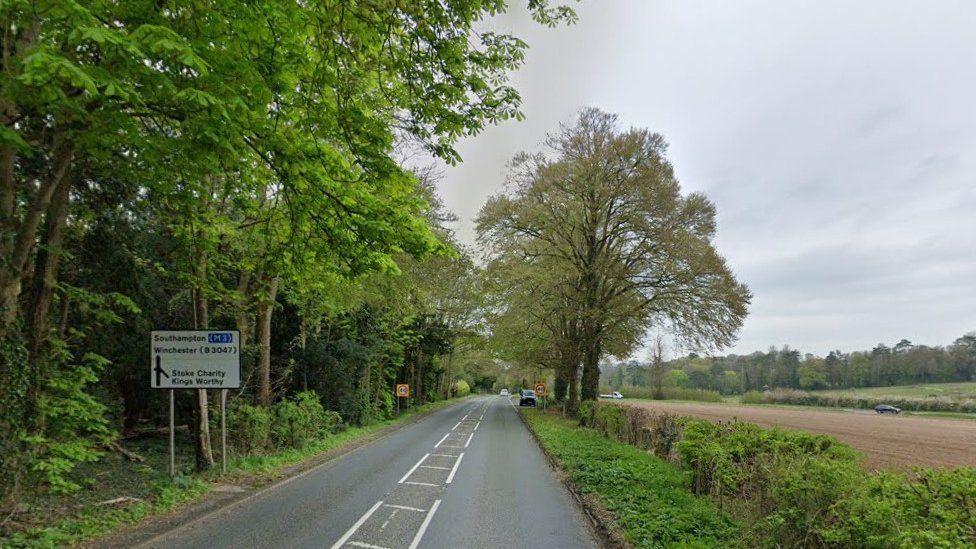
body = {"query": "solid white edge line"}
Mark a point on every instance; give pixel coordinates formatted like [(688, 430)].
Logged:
[(471, 436), (423, 527), (412, 469), (442, 440), (345, 537), (454, 469)]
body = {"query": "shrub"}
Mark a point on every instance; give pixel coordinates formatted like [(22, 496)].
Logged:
[(248, 427), (798, 489), (461, 388), (647, 496), (669, 393), (804, 398), (297, 421)]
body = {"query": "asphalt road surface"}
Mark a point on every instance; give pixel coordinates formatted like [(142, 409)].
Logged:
[(468, 475)]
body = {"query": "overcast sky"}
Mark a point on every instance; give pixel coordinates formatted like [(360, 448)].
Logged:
[(837, 139)]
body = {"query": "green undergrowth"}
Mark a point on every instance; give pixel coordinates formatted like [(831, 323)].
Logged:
[(649, 499), (796, 489), (64, 520)]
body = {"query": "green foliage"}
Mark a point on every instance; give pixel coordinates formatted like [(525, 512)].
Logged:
[(843, 400), (669, 393), (248, 427), (72, 422), (647, 497), (301, 419), (460, 388), (13, 392), (796, 489)]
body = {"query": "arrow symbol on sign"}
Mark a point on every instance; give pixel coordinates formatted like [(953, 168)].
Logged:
[(159, 370)]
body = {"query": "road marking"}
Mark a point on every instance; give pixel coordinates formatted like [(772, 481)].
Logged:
[(450, 477), (445, 455), (423, 527), (388, 519), (405, 508), (476, 427), (471, 436), (368, 546), (420, 483), (412, 469), (345, 537), (455, 426), (442, 440), (434, 467)]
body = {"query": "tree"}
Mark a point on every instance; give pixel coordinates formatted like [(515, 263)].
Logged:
[(605, 210)]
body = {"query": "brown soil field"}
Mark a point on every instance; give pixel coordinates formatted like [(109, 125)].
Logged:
[(888, 442)]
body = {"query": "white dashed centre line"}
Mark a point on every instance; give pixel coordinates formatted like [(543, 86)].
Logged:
[(367, 545), (431, 474)]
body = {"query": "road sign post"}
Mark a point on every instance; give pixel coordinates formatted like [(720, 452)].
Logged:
[(541, 391), (195, 359), (223, 431), (172, 433), (402, 391)]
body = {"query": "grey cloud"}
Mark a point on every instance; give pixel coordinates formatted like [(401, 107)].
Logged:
[(837, 139)]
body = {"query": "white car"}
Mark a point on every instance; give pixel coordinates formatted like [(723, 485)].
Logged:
[(504, 393), (614, 394)]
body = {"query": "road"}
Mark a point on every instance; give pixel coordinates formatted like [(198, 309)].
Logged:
[(887, 442), (468, 475)]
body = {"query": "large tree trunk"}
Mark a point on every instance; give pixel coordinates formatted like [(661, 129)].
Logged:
[(46, 267), (590, 389), (16, 247), (561, 385), (572, 400), (201, 316), (44, 281), (265, 310)]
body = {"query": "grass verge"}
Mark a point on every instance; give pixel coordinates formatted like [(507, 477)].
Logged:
[(60, 520), (647, 499)]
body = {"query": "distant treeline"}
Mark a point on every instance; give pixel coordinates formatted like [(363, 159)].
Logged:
[(902, 364)]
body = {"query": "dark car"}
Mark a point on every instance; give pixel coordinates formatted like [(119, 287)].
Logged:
[(527, 398), (887, 409)]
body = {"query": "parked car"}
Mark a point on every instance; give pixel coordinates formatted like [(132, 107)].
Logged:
[(527, 398), (614, 394), (504, 393), (887, 409)]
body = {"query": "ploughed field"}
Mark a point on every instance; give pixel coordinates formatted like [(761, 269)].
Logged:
[(887, 441)]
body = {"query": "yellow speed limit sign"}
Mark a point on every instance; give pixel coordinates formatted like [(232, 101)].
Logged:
[(540, 389), (402, 390)]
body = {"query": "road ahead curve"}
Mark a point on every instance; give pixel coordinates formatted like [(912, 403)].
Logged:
[(468, 475)]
